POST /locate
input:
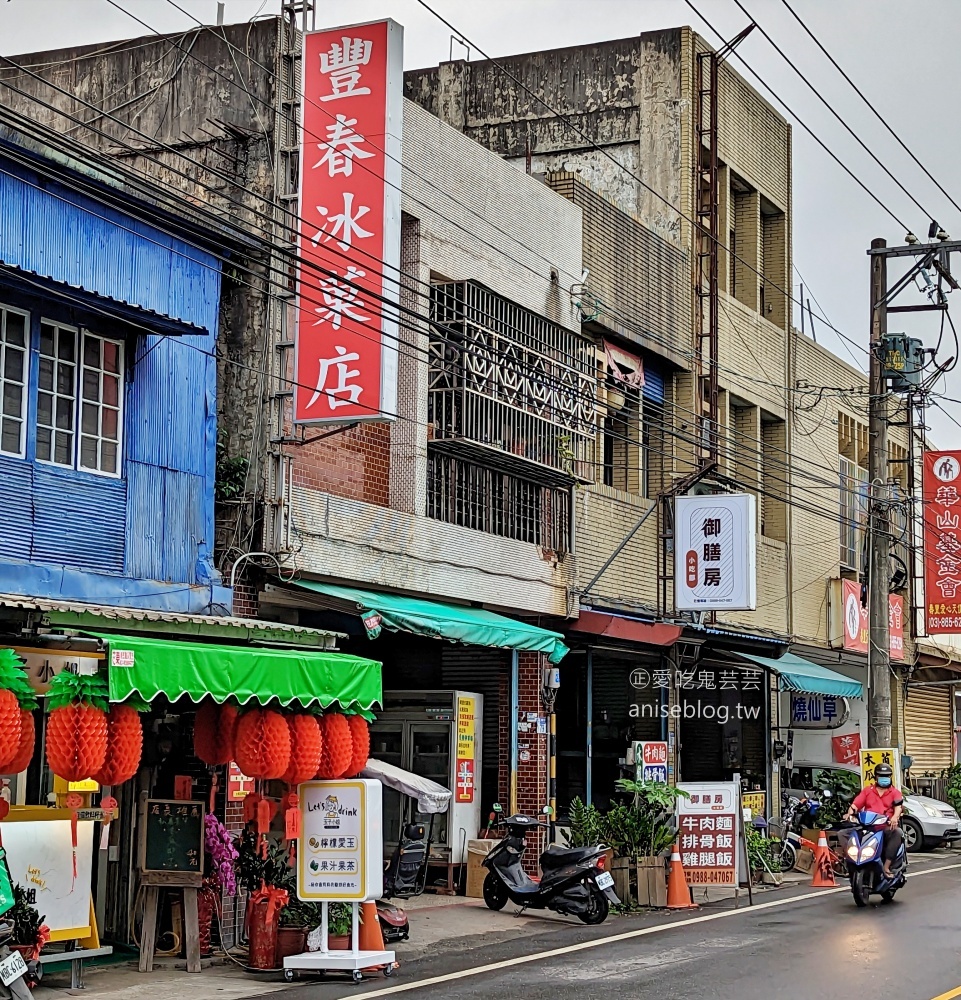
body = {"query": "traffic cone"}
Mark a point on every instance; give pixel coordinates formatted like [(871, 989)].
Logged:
[(823, 872), (678, 894), (370, 934)]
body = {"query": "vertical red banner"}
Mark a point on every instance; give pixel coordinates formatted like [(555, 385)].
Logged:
[(350, 174), (941, 483)]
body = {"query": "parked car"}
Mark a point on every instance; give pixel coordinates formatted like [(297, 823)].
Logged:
[(927, 823)]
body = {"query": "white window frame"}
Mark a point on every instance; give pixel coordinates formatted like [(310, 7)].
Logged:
[(76, 367), (853, 484), (80, 333), (82, 368), (5, 310)]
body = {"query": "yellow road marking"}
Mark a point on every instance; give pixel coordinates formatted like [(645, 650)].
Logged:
[(956, 992)]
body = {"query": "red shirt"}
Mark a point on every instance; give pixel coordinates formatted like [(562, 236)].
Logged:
[(878, 800)]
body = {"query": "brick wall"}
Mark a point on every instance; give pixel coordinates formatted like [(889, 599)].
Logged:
[(353, 464)]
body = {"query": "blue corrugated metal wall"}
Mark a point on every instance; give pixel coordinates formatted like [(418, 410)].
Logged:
[(70, 238), (156, 522)]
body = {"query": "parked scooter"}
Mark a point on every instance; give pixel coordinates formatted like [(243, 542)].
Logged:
[(862, 845), (573, 880), (13, 968)]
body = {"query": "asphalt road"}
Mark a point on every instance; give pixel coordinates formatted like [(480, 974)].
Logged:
[(789, 947)]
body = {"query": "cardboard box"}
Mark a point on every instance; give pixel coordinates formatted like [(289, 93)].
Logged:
[(805, 861), (477, 850)]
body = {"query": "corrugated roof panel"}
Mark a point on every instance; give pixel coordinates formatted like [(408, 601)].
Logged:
[(16, 503), (145, 529)]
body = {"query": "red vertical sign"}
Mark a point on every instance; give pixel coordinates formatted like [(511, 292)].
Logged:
[(857, 629), (346, 346), (942, 542)]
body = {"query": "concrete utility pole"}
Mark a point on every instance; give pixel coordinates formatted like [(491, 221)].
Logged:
[(879, 656)]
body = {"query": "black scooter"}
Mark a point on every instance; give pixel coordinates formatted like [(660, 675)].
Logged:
[(573, 879)]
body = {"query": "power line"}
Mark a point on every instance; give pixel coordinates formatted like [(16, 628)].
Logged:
[(874, 110), (777, 48), (857, 180)]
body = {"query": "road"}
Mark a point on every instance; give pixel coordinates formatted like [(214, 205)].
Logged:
[(785, 948)]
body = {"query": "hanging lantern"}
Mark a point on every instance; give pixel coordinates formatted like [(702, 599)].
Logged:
[(262, 747), (124, 746), (306, 745), (360, 744), (27, 745), (214, 732), (17, 699), (77, 727), (337, 750)]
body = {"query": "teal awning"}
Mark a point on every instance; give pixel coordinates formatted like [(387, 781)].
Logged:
[(472, 626), (797, 674)]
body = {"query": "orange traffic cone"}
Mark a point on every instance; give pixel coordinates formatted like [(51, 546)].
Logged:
[(678, 894), (370, 935), (823, 872)]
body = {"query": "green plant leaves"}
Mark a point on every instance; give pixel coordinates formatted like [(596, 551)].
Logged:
[(69, 689)]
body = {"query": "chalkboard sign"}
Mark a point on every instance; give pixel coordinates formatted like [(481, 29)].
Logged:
[(172, 838)]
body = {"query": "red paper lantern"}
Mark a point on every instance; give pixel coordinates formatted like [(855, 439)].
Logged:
[(10, 726), (337, 750), (262, 745), (27, 744), (76, 741), (214, 732), (305, 748), (124, 746), (360, 744)]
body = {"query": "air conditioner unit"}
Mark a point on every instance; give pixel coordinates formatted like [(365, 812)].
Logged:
[(701, 490)]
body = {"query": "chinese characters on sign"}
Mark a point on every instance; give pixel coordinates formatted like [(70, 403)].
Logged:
[(857, 630), (818, 711), (715, 546), (846, 749), (650, 761), (942, 542), (340, 847), (708, 833), (699, 678), (466, 748), (346, 346), (41, 666), (872, 757)]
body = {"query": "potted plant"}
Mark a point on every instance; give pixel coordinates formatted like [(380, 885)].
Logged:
[(220, 860), (30, 933), (649, 824), (297, 919), (339, 926), (586, 827)]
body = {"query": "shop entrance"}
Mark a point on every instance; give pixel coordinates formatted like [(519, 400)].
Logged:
[(608, 699)]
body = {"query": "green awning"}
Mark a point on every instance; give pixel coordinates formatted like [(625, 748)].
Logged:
[(472, 626), (152, 667), (798, 674)]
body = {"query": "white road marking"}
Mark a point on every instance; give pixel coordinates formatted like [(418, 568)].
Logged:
[(613, 939)]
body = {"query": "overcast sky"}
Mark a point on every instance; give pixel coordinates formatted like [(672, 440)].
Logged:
[(903, 55)]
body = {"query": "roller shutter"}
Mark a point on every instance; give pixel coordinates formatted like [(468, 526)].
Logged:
[(929, 728)]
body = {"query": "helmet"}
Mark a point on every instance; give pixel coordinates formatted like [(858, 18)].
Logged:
[(884, 771)]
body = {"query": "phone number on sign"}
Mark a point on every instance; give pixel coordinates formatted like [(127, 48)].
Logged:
[(710, 876)]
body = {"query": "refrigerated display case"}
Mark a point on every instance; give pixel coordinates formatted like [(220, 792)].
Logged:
[(436, 734)]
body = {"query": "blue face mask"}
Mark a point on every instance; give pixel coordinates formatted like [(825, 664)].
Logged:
[(884, 782)]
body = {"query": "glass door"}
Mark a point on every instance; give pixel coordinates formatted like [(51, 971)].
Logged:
[(430, 751), (387, 744)]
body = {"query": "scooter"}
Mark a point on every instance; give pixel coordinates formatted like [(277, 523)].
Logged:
[(862, 845), (12, 968), (573, 879)]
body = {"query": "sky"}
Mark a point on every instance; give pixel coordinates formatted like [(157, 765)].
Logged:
[(901, 55)]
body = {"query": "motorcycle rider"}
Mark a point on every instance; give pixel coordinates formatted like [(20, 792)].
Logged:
[(885, 799)]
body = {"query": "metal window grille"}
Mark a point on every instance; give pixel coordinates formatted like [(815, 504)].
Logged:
[(498, 503), (510, 381)]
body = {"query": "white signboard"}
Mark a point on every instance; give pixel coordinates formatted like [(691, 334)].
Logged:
[(715, 552), (42, 665), (340, 854), (40, 855), (709, 830)]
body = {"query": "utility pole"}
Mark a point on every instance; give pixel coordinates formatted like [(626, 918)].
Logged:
[(879, 656)]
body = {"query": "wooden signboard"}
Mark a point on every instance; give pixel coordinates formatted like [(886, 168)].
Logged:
[(172, 841), (171, 854)]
